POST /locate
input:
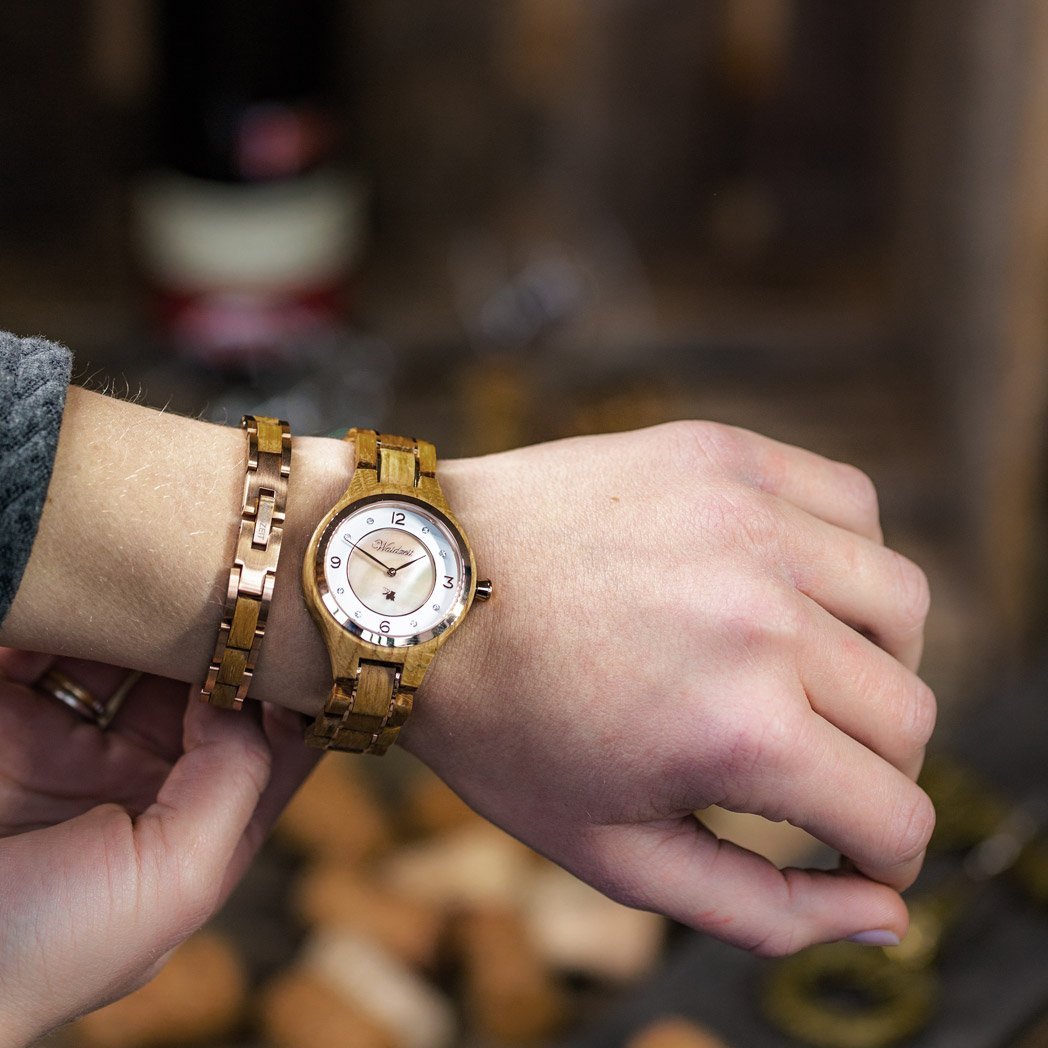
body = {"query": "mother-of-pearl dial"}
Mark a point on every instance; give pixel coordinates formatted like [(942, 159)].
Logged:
[(392, 571)]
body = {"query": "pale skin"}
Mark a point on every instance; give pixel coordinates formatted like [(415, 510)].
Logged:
[(683, 616), (118, 845)]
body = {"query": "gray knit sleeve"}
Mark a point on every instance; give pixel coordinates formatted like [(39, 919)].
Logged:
[(34, 376)]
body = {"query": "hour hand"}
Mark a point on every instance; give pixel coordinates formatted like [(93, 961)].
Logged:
[(385, 567)]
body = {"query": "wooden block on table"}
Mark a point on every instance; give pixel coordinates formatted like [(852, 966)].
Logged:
[(198, 995), (577, 929), (370, 979), (335, 815), (301, 1011), (328, 895), (477, 865), (509, 994), (675, 1033), (431, 806)]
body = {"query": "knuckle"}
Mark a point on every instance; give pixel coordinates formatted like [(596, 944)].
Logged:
[(115, 830), (720, 445), (861, 489), (758, 741), (112, 817), (764, 620), (914, 592), (760, 525), (914, 824), (922, 712), (779, 942), (193, 894), (620, 885), (746, 520), (251, 754), (199, 897), (258, 765), (626, 893)]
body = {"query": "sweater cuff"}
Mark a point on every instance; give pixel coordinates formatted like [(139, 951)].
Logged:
[(34, 377)]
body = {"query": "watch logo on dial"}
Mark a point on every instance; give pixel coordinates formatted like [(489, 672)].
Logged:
[(391, 547)]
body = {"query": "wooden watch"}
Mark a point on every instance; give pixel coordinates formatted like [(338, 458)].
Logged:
[(388, 575)]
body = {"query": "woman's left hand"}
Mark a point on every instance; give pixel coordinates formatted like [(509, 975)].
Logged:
[(116, 845)]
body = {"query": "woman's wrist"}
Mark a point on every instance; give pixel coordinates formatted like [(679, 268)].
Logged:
[(467, 667), (132, 556)]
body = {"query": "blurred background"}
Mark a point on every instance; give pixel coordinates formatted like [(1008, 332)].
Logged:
[(500, 223)]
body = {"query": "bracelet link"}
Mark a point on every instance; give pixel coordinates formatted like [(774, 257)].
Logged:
[(252, 578)]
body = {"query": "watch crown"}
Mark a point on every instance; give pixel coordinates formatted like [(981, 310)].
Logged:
[(483, 591)]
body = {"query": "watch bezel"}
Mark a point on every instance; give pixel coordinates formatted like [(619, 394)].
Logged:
[(452, 617)]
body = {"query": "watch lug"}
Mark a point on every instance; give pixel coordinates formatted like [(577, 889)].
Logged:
[(429, 489), (416, 662)]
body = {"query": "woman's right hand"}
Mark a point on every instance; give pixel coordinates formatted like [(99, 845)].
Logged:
[(684, 616)]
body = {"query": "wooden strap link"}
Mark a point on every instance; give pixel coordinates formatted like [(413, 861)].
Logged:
[(365, 712), (253, 575), (402, 462)]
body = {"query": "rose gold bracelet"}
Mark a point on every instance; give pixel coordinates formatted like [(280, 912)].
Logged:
[(253, 575)]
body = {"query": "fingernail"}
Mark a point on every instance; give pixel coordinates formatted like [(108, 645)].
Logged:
[(880, 937)]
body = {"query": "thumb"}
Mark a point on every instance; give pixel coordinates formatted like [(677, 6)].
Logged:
[(189, 835), (138, 886), (291, 762), (680, 869)]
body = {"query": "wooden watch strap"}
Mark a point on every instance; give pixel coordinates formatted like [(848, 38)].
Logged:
[(364, 713), (368, 706)]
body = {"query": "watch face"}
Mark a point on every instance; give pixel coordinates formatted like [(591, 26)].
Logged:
[(393, 571)]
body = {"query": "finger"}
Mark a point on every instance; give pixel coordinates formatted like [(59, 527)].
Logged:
[(834, 492), (151, 715), (680, 869), (874, 590), (191, 833), (843, 794), (292, 762), (25, 667), (83, 867), (54, 764), (866, 693)]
